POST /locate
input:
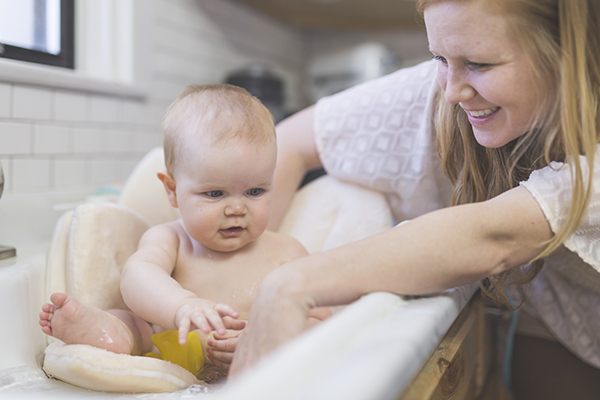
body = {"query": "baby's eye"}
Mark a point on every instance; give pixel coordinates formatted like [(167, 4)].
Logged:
[(214, 193), (440, 59), (255, 191)]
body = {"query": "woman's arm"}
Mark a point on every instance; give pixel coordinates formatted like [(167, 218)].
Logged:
[(296, 155), (437, 251)]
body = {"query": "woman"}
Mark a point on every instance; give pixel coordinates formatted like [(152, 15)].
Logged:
[(514, 117)]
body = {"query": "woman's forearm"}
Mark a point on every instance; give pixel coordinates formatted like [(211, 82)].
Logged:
[(437, 251)]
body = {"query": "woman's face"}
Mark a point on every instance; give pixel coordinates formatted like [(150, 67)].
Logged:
[(483, 68)]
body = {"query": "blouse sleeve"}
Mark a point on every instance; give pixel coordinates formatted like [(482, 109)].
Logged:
[(380, 135), (552, 187)]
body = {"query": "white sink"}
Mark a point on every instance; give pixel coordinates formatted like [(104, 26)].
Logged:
[(370, 350)]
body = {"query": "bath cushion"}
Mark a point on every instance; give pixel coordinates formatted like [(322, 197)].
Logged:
[(101, 239), (144, 192), (324, 214), (56, 265), (98, 369), (329, 213)]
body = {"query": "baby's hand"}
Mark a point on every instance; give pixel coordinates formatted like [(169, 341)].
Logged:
[(221, 348), (204, 315)]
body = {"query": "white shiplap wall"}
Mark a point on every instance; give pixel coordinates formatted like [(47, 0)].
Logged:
[(58, 146)]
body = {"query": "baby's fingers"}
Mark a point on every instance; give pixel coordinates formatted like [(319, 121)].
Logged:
[(184, 327), (200, 321), (214, 319), (226, 311)]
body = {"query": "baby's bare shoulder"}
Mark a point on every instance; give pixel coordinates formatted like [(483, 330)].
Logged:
[(167, 233)]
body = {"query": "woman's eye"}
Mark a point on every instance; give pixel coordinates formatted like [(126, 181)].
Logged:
[(255, 191), (214, 193), (474, 65)]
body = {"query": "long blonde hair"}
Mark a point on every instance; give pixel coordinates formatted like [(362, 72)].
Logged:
[(561, 39)]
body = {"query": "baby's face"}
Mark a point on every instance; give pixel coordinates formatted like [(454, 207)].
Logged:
[(225, 192)]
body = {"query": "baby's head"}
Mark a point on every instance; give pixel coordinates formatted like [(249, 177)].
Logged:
[(217, 114), (220, 153)]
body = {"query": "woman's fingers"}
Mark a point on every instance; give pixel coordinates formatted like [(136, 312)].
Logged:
[(230, 334), (220, 360), (221, 356), (234, 324), (225, 345)]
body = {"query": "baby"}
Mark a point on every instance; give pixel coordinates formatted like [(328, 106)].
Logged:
[(200, 272)]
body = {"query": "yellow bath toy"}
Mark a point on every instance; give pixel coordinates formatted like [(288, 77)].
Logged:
[(188, 356)]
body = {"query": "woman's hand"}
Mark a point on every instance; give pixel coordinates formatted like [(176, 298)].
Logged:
[(276, 316), (221, 347)]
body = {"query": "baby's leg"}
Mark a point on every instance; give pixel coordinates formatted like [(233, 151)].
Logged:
[(72, 322)]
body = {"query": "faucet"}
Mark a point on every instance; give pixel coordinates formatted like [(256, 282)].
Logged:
[(5, 251)]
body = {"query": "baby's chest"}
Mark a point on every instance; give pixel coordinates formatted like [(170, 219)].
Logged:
[(234, 285)]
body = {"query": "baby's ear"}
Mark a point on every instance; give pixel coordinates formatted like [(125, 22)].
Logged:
[(169, 183)]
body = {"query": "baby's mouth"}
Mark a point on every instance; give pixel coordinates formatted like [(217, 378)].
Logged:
[(233, 231)]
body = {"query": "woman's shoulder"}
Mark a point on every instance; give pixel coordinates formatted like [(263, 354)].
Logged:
[(557, 173)]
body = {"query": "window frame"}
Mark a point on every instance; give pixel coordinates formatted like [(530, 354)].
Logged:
[(66, 57)]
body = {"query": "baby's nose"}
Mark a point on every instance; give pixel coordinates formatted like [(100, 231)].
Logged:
[(236, 208)]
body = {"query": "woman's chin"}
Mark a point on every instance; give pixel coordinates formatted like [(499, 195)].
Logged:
[(489, 140)]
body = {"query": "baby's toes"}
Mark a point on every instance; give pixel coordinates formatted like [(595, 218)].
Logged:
[(45, 318), (47, 307)]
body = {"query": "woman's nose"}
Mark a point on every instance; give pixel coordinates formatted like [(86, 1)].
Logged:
[(235, 207), (456, 87)]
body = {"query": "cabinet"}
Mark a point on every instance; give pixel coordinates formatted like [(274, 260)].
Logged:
[(461, 365)]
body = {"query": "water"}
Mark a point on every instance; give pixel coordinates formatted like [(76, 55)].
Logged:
[(32, 383)]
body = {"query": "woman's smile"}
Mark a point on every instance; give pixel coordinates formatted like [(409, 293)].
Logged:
[(481, 117)]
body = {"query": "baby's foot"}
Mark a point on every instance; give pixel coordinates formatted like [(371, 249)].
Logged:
[(76, 323)]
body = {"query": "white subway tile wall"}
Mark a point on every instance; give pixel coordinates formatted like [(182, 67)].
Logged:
[(51, 139), (56, 140), (31, 173), (58, 147), (15, 138), (69, 172), (71, 106), (32, 103), (5, 100)]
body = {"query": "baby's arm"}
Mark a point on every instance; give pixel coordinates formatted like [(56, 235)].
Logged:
[(151, 293)]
